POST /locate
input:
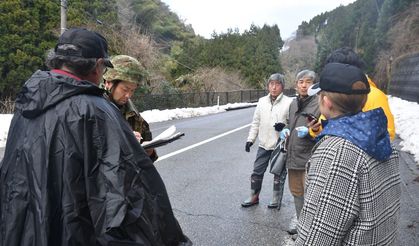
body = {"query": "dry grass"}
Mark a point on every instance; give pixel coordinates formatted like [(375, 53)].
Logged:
[(130, 41), (212, 79), (300, 55), (7, 106), (403, 37)]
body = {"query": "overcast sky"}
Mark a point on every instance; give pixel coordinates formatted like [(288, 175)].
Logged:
[(219, 15)]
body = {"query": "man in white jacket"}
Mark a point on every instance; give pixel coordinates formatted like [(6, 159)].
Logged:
[(271, 111)]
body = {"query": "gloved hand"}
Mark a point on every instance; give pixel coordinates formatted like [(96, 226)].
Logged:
[(302, 131), (284, 133), (248, 144), (279, 126)]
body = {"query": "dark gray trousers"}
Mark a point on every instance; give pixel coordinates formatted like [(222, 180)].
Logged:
[(261, 162), (259, 168)]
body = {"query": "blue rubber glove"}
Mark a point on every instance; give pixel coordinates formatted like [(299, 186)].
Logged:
[(284, 134), (302, 131)]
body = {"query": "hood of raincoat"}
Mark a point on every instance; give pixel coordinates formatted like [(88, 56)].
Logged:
[(45, 89), (367, 130)]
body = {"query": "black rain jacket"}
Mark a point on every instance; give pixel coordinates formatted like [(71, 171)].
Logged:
[(73, 173)]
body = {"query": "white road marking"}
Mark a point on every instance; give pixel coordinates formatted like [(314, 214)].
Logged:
[(200, 143)]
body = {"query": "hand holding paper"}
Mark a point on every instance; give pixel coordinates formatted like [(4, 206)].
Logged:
[(168, 136)]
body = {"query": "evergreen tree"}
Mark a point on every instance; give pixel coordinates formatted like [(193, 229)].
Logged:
[(27, 32), (255, 53), (31, 27)]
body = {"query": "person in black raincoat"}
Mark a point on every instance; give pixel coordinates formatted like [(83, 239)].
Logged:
[(73, 172)]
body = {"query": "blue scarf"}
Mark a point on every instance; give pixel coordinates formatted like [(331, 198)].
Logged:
[(367, 130)]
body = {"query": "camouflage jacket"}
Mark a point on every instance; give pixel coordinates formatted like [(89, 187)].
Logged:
[(137, 124), (135, 120)]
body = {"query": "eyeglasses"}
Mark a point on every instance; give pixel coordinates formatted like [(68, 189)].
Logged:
[(105, 68)]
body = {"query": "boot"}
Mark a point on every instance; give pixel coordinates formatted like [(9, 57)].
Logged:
[(278, 190), (275, 198), (255, 187), (298, 203), (252, 200), (275, 193)]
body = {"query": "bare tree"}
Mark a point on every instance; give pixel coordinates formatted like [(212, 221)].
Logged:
[(403, 38), (7, 106), (211, 79), (298, 55)]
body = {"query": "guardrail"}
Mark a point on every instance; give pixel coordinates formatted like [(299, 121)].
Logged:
[(200, 99), (181, 100)]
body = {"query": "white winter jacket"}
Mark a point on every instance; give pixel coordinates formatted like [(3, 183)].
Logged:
[(265, 116)]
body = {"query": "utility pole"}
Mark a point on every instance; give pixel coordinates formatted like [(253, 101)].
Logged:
[(63, 16)]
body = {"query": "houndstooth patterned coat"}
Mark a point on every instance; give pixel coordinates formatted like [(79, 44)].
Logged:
[(351, 197)]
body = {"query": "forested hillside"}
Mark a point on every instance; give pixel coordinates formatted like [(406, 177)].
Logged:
[(141, 28), (255, 53), (177, 60), (379, 30), (29, 28)]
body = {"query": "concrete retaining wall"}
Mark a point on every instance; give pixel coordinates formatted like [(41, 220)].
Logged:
[(405, 78)]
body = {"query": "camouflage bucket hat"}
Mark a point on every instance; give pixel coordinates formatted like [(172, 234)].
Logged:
[(126, 68)]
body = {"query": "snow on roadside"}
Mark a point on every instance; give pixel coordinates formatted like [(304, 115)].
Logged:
[(4, 128), (406, 117), (150, 115), (155, 115)]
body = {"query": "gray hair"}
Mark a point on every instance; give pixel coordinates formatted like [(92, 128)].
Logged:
[(78, 65), (306, 73), (277, 77)]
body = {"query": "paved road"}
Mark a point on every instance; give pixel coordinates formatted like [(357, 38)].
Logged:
[(206, 185), (409, 225)]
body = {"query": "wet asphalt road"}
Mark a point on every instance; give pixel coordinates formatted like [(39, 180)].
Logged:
[(207, 184)]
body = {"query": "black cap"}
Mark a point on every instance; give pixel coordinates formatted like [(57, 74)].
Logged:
[(90, 44), (339, 77)]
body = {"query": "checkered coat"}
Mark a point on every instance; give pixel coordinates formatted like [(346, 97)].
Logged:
[(351, 197)]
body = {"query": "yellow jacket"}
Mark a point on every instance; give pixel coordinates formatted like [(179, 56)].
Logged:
[(376, 98)]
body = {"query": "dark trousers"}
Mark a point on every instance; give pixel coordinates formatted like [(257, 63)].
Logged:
[(259, 168)]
